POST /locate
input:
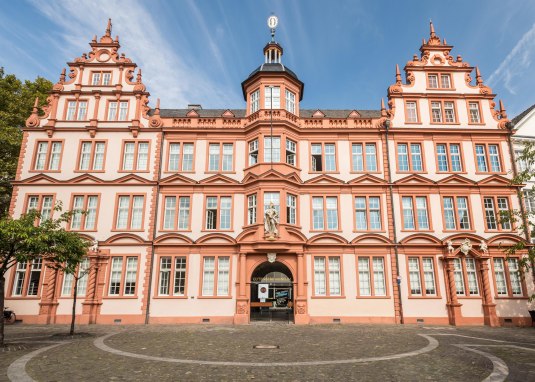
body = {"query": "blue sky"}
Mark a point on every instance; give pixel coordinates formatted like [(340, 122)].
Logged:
[(344, 51)]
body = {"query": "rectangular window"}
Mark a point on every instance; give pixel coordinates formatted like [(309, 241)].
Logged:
[(529, 200), (117, 111), (415, 214), (445, 82), (496, 209), (251, 209), (323, 157), (76, 111), (421, 272), (87, 221), (291, 209), (172, 210), (499, 275), (436, 112), (471, 275), (371, 276), (449, 112), (473, 108), (172, 276), (101, 78), (514, 276), (67, 288), (456, 214), (253, 152), (272, 97), (272, 197), (364, 161), (458, 276), (412, 161), (325, 212), (255, 101), (488, 154), (290, 152), (327, 278), (123, 276), (220, 157), (449, 157), (272, 149), (443, 111), (30, 271), (218, 216), (433, 81), (412, 112), (180, 153), (135, 156), (129, 212), (290, 101), (367, 213), (48, 155), (216, 267), (42, 203), (92, 156)]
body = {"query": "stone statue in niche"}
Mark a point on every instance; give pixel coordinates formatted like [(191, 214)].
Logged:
[(94, 247), (450, 246), (271, 219), (483, 247)]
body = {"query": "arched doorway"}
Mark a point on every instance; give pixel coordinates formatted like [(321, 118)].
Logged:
[(272, 297)]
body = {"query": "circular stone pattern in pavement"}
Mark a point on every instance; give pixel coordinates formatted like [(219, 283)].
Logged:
[(297, 346)]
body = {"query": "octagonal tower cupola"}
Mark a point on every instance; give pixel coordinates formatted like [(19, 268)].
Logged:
[(272, 85)]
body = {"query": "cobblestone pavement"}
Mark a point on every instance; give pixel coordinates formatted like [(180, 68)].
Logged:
[(302, 353)]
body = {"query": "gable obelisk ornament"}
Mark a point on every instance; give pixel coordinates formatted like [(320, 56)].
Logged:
[(271, 219)]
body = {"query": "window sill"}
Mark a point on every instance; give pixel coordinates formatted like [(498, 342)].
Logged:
[(44, 171), (178, 172), (168, 230), (477, 123), (365, 172), (372, 297), (156, 297), (81, 230), (451, 172), (491, 173), (89, 171), (425, 297), (327, 297), (219, 172), (445, 123), (126, 230), (324, 172), (411, 172), (368, 231), (442, 89), (214, 297), (413, 123), (512, 298), (326, 230), (417, 230), (78, 298), (459, 230), (23, 298), (134, 171), (217, 230), (460, 297), (119, 297)]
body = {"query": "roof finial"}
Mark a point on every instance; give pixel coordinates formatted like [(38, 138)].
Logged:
[(138, 78), (383, 109), (398, 75), (431, 28), (157, 108), (108, 28), (272, 22), (503, 113), (35, 106), (479, 79), (62, 75)]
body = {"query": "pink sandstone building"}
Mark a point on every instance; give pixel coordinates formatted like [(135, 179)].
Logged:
[(317, 216)]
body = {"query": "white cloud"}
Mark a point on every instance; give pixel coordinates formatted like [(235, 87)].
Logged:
[(167, 76), (513, 67)]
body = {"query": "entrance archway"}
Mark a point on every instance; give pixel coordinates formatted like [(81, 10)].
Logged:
[(272, 294)]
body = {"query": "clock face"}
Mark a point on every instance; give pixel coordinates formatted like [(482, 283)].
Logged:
[(272, 21)]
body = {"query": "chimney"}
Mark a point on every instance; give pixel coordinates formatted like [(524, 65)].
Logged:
[(194, 106)]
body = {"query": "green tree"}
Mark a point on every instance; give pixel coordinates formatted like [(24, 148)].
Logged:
[(23, 240), (16, 102)]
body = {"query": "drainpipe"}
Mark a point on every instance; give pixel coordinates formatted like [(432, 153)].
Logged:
[(390, 187), (154, 227)]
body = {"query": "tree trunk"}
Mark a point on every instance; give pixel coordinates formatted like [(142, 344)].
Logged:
[(2, 301), (74, 306)]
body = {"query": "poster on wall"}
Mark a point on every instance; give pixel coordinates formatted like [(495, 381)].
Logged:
[(263, 291)]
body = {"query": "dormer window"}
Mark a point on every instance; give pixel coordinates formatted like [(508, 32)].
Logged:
[(255, 101), (272, 97), (290, 101)]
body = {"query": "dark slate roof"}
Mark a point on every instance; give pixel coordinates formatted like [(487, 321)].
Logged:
[(240, 113), (330, 113), (273, 68), (519, 117)]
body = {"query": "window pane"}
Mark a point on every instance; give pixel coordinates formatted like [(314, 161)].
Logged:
[(291, 209), (379, 282), (403, 157), (408, 213), (272, 149), (223, 276), (442, 158), (358, 160), (361, 220), (131, 276), (334, 276), (330, 158), (228, 152), (213, 160), (319, 276), (180, 276), (416, 157), (455, 157), (414, 276), (226, 202), (122, 212), (317, 213), (332, 212), (421, 210), (165, 275), (371, 157), (98, 162), (128, 156), (40, 160), (429, 275), (77, 206), (169, 213), (142, 156), (412, 114), (364, 276), (183, 212), (208, 276), (449, 213), (137, 212), (174, 156), (115, 275), (481, 158), (499, 274)]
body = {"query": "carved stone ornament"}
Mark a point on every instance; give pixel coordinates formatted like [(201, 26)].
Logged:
[(271, 219), (272, 257), (242, 308), (450, 246), (483, 247), (465, 247), (301, 308), (94, 247)]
